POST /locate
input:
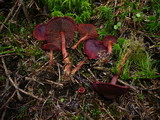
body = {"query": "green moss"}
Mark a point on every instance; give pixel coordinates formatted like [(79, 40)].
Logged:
[(21, 112), (139, 63)]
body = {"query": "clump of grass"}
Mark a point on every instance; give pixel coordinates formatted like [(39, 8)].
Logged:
[(143, 64), (144, 15), (120, 49), (106, 16), (21, 112), (106, 13), (8, 49), (152, 23), (139, 63), (80, 10), (76, 6)]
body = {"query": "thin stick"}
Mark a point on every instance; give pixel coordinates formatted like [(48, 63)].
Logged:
[(55, 83), (8, 100), (9, 15), (111, 116), (25, 11), (126, 84), (3, 115), (12, 82)]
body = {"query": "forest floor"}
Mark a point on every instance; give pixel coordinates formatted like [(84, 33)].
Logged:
[(30, 89)]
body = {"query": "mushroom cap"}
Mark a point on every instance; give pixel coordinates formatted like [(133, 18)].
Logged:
[(39, 31), (108, 90), (89, 29), (81, 90), (56, 25), (92, 47), (51, 46), (109, 38)]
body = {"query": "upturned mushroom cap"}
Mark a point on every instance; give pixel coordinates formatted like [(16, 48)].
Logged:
[(108, 90), (92, 47), (109, 39), (39, 31), (87, 29), (56, 25)]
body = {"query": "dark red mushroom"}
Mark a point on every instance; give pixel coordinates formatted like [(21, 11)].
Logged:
[(81, 89), (111, 90), (86, 31), (91, 48), (58, 33), (39, 34), (108, 41), (61, 31), (39, 31)]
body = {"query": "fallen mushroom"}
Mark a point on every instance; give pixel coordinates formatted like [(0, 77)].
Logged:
[(108, 41), (86, 31), (111, 90)]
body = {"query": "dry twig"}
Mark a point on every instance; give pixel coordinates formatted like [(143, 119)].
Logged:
[(9, 15), (15, 85)]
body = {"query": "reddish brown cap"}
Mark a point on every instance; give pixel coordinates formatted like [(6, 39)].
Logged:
[(51, 46), (39, 31), (81, 89), (56, 25), (87, 29), (108, 90), (107, 39), (92, 47)]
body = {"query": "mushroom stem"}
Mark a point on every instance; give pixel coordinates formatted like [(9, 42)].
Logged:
[(82, 39), (115, 78), (65, 55), (123, 62), (50, 57), (79, 66), (109, 46)]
